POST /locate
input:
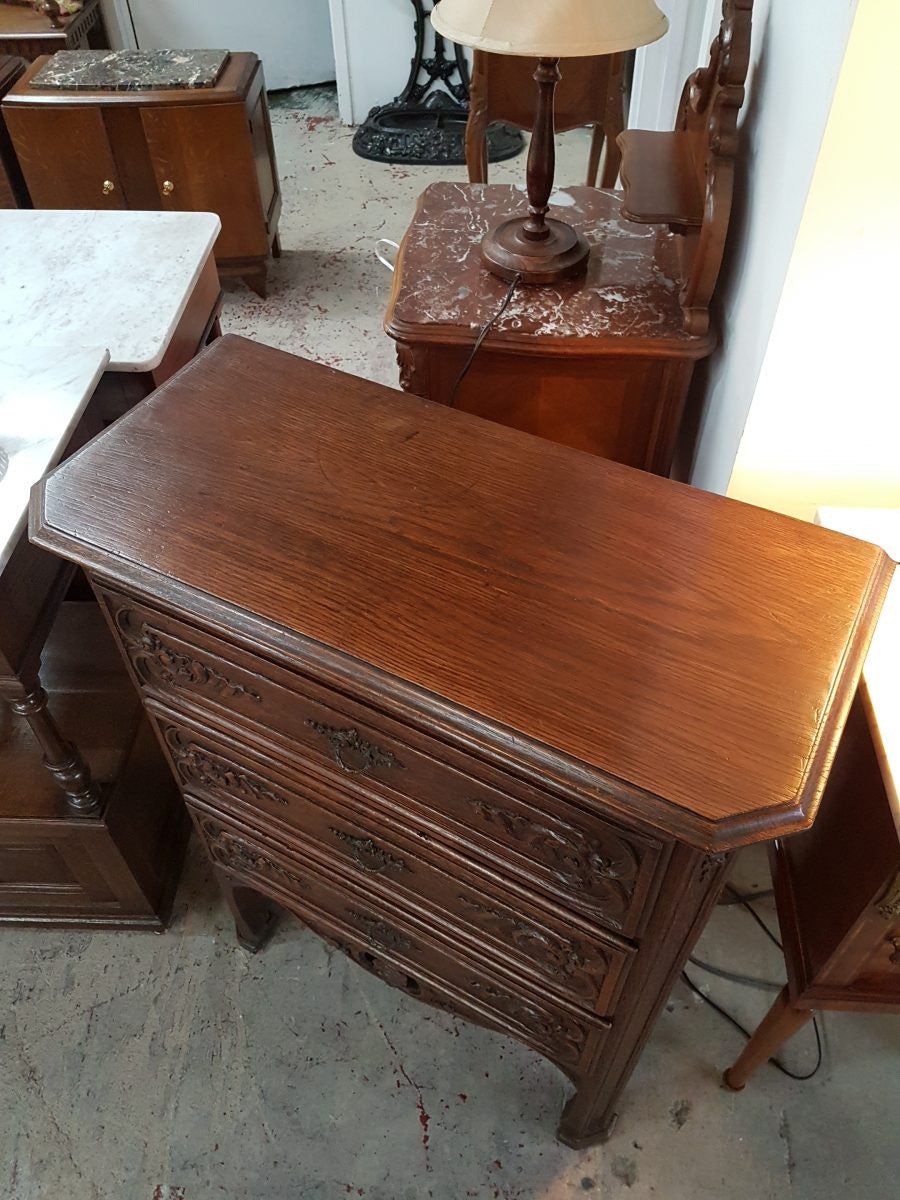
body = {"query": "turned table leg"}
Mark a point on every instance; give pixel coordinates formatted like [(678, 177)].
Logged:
[(781, 1022), (61, 758)]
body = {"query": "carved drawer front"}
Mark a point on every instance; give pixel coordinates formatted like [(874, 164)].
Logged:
[(399, 949), (583, 861), (584, 965)]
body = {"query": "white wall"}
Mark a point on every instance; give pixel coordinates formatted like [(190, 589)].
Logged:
[(661, 68), (824, 427), (798, 48), (292, 37)]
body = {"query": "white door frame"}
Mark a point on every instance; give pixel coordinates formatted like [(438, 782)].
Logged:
[(119, 26), (661, 69), (341, 61)]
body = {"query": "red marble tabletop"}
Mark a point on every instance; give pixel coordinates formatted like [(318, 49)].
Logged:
[(630, 291)]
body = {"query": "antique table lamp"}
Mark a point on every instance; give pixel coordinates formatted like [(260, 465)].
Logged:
[(535, 248)]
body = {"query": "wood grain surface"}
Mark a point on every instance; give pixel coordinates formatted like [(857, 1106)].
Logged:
[(701, 650)]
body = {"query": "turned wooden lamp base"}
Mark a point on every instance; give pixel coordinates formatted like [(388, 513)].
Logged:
[(562, 254), (537, 248)]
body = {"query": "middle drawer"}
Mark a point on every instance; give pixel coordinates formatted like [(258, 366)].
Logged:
[(581, 963)]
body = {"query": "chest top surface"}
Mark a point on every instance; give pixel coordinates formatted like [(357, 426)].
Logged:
[(629, 297), (699, 649), (116, 279)]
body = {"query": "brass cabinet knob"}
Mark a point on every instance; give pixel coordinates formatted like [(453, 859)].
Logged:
[(168, 187), (108, 187)]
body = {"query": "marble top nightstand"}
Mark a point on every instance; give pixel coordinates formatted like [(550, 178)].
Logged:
[(116, 279), (43, 392), (602, 363)]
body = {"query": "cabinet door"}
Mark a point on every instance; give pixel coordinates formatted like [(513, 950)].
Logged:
[(203, 162), (65, 157)]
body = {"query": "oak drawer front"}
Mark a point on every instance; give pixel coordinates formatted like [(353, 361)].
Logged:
[(588, 969), (600, 868), (396, 948)]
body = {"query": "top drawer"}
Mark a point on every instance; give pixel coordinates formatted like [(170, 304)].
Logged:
[(586, 863)]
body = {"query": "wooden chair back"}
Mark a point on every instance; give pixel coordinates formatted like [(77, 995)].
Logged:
[(686, 178), (708, 116), (591, 93)]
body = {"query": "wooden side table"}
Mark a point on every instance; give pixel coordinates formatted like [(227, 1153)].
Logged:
[(12, 185), (98, 838), (170, 149), (488, 714), (837, 886), (591, 92), (30, 34), (149, 292), (601, 364), (91, 830)]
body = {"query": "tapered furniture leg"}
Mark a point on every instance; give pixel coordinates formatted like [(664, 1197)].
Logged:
[(254, 916), (598, 137), (781, 1022), (61, 757)]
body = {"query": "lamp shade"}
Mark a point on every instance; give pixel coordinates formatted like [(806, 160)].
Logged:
[(550, 28)]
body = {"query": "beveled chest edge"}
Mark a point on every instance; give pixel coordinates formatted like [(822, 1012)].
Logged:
[(590, 788)]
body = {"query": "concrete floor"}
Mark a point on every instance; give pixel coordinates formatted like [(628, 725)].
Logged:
[(136, 1067)]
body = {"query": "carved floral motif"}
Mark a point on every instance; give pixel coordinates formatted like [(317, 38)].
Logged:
[(710, 865), (368, 855), (562, 1036), (380, 933), (157, 661), (201, 767), (604, 871), (557, 955), (889, 905), (234, 854)]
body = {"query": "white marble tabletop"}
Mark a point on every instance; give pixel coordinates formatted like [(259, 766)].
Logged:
[(43, 392), (880, 687), (116, 279)]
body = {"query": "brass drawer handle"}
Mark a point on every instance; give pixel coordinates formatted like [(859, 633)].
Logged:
[(108, 187), (168, 187), (348, 741), (368, 855)]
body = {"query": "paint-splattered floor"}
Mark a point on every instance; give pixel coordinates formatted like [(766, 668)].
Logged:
[(328, 292), (135, 1067)]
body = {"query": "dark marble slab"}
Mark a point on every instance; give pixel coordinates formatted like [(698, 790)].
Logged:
[(131, 70)]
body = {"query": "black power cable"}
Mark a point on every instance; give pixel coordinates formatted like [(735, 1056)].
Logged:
[(482, 334), (744, 901)]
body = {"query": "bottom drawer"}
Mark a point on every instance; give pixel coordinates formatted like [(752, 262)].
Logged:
[(390, 945)]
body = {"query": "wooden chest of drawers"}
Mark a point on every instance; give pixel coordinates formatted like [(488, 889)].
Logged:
[(487, 713)]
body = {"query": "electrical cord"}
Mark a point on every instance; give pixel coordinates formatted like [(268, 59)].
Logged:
[(482, 334), (750, 981)]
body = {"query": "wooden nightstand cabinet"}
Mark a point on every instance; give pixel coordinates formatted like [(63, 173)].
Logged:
[(201, 149)]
